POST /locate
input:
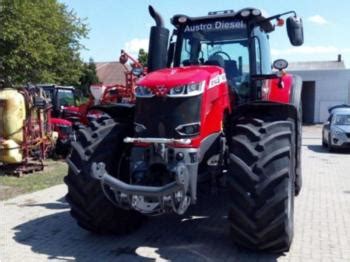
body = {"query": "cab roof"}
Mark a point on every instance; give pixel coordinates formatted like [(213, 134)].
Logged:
[(53, 86), (227, 14)]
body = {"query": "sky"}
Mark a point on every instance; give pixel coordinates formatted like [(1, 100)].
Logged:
[(124, 24)]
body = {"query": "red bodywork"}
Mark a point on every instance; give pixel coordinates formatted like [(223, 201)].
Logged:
[(278, 90), (62, 127), (215, 97)]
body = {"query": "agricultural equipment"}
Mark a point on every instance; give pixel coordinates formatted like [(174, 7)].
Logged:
[(63, 99), (66, 112), (63, 114), (111, 93), (26, 136), (210, 110)]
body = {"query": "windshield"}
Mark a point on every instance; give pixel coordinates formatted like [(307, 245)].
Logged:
[(342, 120), (65, 97), (220, 43)]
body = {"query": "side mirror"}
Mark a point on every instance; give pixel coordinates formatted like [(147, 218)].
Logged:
[(295, 30), (280, 64)]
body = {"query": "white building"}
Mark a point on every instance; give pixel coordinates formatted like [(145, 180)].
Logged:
[(325, 83)]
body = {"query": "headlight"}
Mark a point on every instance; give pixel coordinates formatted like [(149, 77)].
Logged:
[(188, 129), (338, 133), (179, 90), (187, 90), (142, 91)]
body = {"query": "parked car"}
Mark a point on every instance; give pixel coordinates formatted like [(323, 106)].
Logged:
[(336, 131)]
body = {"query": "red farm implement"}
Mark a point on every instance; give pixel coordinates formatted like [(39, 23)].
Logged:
[(26, 135)]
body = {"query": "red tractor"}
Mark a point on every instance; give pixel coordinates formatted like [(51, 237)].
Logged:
[(209, 110), (65, 112)]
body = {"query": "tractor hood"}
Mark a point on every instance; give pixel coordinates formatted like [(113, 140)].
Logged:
[(60, 121), (171, 77)]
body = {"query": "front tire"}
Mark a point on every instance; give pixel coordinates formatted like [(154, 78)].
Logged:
[(329, 144), (261, 183), (93, 211), (324, 144)]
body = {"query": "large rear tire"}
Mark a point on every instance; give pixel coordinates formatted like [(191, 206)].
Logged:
[(93, 211), (261, 182)]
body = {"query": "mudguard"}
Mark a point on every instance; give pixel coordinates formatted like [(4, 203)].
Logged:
[(289, 93), (296, 101)]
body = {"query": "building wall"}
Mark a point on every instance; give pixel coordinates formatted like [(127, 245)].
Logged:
[(332, 87)]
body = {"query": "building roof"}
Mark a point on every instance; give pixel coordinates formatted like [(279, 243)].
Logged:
[(316, 65), (111, 72)]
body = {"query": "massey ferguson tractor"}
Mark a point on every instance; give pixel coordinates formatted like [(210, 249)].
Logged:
[(63, 114), (211, 110)]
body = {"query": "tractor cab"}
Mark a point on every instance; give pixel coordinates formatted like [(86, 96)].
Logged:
[(64, 113), (62, 97), (238, 42), (225, 41)]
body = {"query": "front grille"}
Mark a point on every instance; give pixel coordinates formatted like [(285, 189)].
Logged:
[(162, 115)]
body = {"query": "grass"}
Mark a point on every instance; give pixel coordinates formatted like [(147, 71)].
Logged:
[(53, 173)]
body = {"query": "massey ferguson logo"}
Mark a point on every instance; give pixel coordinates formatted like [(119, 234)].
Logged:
[(161, 91)]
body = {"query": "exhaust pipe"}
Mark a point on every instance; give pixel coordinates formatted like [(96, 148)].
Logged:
[(156, 16), (158, 43)]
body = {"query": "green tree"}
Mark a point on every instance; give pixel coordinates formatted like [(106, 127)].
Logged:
[(40, 42), (88, 77), (143, 57)]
